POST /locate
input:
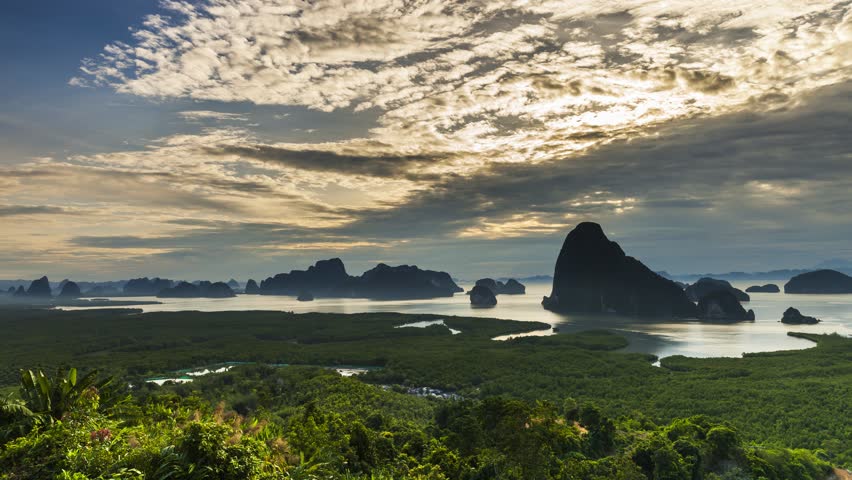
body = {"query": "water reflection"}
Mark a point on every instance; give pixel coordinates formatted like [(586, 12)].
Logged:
[(663, 339)]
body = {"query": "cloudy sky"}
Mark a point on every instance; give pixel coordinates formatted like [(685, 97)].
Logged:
[(224, 138)]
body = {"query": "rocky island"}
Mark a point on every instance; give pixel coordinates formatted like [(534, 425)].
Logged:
[(328, 278), (705, 286), (768, 288), (723, 305), (102, 291), (593, 274), (203, 289), (793, 316), (482, 296), (70, 290), (511, 287), (324, 278), (181, 290), (820, 281), (40, 288), (252, 288), (145, 287), (404, 282)]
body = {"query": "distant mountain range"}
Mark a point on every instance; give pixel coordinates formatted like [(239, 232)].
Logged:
[(783, 274), (532, 279), (112, 288), (116, 285), (841, 265), (326, 278)]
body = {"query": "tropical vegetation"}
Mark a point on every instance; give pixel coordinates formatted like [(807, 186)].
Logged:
[(432, 405)]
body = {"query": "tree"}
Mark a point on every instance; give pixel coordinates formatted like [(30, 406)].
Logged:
[(668, 465), (570, 409), (723, 442), (11, 409), (51, 399), (601, 438), (15, 418)]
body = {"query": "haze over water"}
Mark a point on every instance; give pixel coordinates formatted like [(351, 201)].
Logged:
[(661, 338)]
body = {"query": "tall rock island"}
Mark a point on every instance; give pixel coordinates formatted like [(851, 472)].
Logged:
[(70, 290), (40, 288), (593, 274)]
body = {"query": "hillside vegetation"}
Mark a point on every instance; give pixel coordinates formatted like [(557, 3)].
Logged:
[(565, 406)]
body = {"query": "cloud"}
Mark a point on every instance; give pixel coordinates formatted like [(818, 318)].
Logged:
[(27, 210), (792, 163), (78, 82), (95, 184), (455, 87), (495, 79), (204, 235), (241, 243), (199, 115), (475, 122), (738, 187), (348, 161)]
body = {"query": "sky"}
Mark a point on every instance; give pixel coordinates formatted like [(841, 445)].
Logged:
[(222, 138)]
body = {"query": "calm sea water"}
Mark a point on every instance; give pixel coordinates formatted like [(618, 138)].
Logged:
[(661, 338)]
